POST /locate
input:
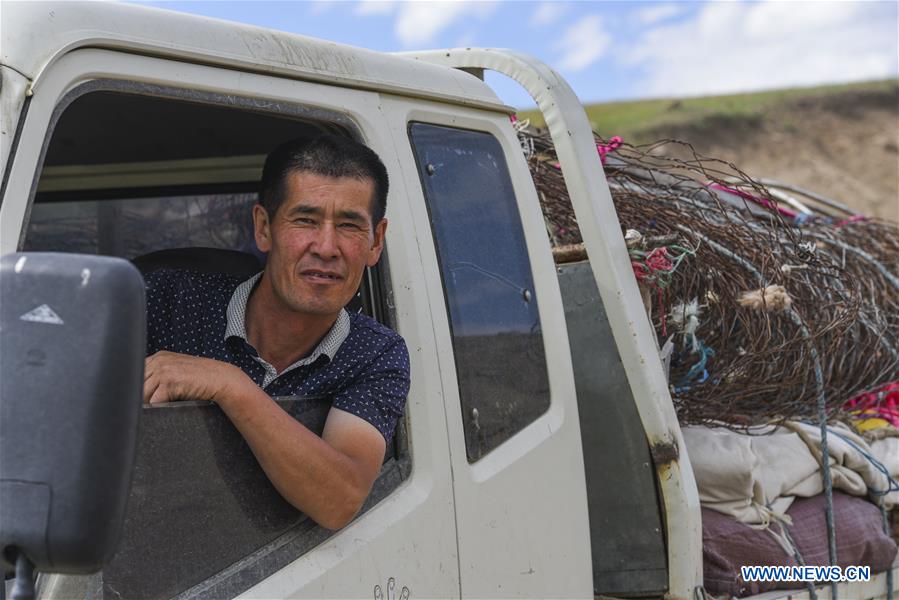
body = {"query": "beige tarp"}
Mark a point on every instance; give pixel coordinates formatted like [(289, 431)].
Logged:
[(754, 477)]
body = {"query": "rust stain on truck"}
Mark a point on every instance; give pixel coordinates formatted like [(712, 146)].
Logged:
[(664, 452)]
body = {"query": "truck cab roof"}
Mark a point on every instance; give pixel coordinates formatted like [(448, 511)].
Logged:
[(35, 34)]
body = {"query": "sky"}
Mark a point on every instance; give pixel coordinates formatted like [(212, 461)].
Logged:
[(615, 50)]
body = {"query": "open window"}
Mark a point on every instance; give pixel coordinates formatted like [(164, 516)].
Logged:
[(125, 174), (131, 169)]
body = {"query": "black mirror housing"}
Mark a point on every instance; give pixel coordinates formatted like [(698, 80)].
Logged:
[(72, 346)]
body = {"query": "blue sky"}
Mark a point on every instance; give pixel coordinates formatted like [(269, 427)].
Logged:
[(616, 50)]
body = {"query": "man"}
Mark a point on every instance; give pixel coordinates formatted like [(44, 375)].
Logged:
[(285, 332)]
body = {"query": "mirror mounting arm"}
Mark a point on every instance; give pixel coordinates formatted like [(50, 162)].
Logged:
[(23, 587)]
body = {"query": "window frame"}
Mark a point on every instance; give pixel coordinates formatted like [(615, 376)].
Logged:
[(258, 563), (506, 457), (503, 170)]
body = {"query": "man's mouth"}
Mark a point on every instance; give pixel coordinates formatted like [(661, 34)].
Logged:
[(321, 276)]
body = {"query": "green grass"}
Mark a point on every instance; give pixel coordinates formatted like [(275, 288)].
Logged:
[(634, 119)]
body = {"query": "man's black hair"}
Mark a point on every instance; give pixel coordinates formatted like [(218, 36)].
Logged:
[(328, 155)]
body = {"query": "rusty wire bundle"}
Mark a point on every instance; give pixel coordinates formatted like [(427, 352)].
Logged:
[(765, 316)]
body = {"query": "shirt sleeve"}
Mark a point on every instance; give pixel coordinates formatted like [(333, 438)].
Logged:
[(378, 395)]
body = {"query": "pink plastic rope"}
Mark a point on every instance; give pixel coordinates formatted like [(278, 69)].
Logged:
[(656, 261), (614, 143), (852, 219), (882, 402), (747, 196), (603, 149)]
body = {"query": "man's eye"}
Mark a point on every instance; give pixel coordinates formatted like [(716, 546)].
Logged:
[(304, 221), (349, 225)]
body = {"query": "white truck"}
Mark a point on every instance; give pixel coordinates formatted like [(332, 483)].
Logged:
[(540, 454)]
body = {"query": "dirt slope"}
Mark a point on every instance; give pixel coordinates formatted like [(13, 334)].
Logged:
[(843, 145)]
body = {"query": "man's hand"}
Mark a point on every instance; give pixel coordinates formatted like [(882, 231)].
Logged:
[(171, 376)]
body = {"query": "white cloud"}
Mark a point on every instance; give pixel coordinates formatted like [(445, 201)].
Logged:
[(419, 23), (734, 47), (547, 13), (772, 20), (368, 8), (659, 12), (319, 7), (582, 44)]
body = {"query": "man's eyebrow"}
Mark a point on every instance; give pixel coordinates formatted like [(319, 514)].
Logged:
[(352, 215), (305, 209)]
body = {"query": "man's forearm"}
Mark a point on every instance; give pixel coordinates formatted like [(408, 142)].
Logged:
[(325, 483), (326, 477)]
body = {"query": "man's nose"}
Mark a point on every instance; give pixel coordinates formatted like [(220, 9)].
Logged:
[(325, 245)]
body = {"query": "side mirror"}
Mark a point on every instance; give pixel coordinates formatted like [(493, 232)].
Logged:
[(71, 383)]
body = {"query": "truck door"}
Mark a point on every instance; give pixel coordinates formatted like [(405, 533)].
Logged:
[(125, 154), (508, 387)]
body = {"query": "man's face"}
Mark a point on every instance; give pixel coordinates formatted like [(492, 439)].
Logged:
[(319, 241)]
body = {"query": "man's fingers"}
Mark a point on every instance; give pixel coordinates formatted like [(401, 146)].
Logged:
[(150, 386), (151, 363), (148, 368), (159, 396), (171, 376)]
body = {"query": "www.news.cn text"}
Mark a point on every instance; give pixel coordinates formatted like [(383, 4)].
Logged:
[(811, 574)]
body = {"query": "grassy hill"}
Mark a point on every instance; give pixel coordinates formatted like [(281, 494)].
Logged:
[(635, 119), (841, 140)]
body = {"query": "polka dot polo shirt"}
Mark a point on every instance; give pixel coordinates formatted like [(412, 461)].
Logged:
[(361, 365)]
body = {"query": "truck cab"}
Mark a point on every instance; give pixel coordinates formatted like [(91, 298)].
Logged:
[(129, 131)]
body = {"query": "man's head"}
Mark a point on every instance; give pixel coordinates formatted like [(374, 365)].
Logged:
[(329, 155), (320, 219)]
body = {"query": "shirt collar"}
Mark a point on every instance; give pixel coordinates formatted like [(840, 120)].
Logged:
[(236, 324)]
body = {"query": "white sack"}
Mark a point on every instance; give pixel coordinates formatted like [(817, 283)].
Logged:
[(754, 477)]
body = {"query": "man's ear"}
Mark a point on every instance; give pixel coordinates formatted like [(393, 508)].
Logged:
[(377, 244), (262, 228)]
